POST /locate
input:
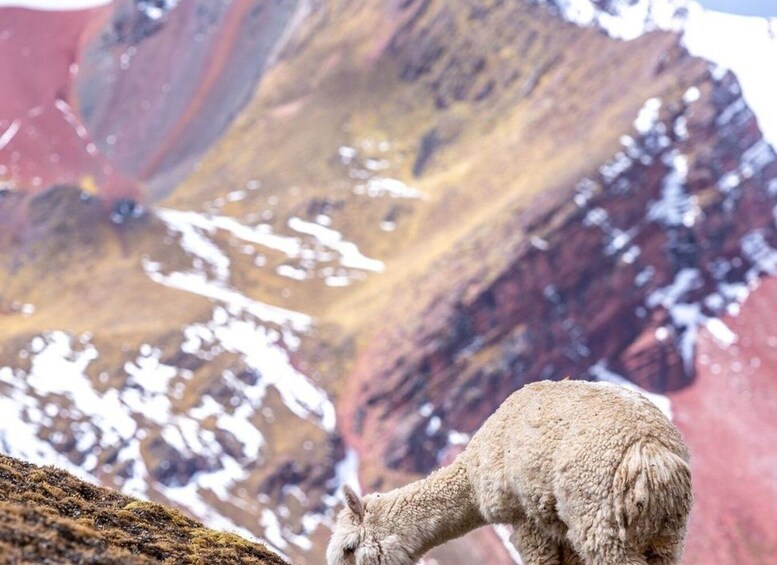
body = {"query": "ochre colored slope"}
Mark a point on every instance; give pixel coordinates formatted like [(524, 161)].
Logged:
[(49, 516), (511, 137), (64, 245)]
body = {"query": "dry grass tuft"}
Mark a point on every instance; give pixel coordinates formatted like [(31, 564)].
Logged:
[(49, 516)]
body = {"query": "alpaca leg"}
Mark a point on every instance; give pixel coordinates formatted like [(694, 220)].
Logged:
[(663, 560), (612, 555), (595, 549), (534, 545), (666, 548), (569, 556), (669, 554)]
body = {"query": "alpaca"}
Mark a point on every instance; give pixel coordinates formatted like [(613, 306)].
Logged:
[(587, 473)]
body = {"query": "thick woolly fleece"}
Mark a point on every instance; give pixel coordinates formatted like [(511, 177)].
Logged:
[(587, 473)]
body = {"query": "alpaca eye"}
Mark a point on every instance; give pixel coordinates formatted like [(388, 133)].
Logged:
[(349, 550)]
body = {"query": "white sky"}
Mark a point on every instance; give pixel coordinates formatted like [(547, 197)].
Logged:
[(743, 7)]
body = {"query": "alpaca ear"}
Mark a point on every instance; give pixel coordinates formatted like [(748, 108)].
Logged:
[(354, 502)]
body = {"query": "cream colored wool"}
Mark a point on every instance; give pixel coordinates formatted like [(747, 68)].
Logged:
[(587, 473)]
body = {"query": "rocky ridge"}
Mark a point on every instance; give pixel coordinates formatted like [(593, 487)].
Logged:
[(658, 230)]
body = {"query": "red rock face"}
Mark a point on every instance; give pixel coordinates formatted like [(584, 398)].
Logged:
[(729, 419), (43, 140)]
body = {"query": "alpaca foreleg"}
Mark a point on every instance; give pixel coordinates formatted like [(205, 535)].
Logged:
[(663, 560), (609, 555), (592, 538), (669, 554), (569, 556), (534, 545)]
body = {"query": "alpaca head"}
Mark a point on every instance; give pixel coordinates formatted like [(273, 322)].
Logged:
[(361, 537)]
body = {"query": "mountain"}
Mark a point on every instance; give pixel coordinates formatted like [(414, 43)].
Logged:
[(343, 256)]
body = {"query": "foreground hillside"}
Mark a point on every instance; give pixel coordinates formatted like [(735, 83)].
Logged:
[(49, 516)]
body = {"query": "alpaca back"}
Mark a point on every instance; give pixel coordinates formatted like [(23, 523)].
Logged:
[(532, 455)]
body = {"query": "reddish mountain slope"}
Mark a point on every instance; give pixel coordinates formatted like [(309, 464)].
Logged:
[(42, 137), (729, 418)]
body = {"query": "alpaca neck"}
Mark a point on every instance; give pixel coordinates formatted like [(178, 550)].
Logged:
[(433, 510)]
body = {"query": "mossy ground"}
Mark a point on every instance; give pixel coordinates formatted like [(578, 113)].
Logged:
[(50, 516)]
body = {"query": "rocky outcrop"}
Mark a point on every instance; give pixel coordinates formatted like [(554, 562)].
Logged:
[(665, 225)]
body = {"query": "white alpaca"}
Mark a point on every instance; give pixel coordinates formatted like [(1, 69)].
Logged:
[(585, 472)]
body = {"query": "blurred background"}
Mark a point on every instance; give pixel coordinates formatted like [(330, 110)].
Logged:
[(253, 250)]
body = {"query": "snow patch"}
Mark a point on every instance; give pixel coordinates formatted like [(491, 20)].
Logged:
[(691, 95), (193, 228), (71, 118), (746, 46), (156, 9), (350, 256), (383, 186), (261, 351), (9, 133), (648, 116), (197, 283), (346, 473), (721, 332), (503, 532), (763, 256), (624, 20), (684, 282), (313, 245), (676, 207)]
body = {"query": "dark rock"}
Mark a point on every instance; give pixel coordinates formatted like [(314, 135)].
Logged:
[(124, 210)]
